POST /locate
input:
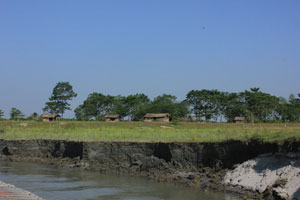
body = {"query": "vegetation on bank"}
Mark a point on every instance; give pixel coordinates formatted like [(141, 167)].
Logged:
[(147, 132)]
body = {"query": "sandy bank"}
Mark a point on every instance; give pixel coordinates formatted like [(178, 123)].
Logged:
[(276, 174), (10, 192)]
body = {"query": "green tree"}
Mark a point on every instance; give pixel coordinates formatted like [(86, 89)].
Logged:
[(58, 102), (34, 116), (205, 103), (135, 105), (16, 114), (110, 103), (1, 114), (95, 106), (181, 109), (165, 98), (120, 106), (289, 111), (167, 103), (80, 113), (259, 106), (234, 106), (221, 103)]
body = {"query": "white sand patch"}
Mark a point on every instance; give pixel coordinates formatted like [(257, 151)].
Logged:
[(262, 172)]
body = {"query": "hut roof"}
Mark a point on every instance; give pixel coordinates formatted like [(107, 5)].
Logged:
[(239, 118), (50, 115), (157, 115), (112, 116)]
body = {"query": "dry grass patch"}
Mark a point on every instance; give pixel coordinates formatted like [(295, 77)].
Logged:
[(147, 132)]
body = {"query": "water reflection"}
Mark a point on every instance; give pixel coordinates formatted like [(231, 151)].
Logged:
[(55, 183)]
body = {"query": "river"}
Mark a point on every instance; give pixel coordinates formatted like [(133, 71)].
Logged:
[(54, 183)]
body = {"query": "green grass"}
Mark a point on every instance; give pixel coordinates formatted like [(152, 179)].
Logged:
[(147, 132)]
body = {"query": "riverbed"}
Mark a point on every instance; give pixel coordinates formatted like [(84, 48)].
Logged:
[(51, 182)]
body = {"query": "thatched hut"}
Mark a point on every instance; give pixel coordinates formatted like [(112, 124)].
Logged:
[(112, 118), (240, 119), (49, 117), (162, 117)]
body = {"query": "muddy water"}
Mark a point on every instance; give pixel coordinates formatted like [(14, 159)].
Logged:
[(55, 183)]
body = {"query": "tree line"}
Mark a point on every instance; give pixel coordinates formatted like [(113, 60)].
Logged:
[(199, 105), (134, 107)]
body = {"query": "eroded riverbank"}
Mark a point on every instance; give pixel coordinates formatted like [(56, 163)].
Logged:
[(195, 164)]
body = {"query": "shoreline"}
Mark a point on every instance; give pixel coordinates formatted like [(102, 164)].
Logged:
[(200, 165), (8, 191)]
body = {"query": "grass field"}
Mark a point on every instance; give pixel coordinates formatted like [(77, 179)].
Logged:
[(146, 132)]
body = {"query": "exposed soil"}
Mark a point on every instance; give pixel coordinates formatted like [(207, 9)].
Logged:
[(271, 174), (195, 164)]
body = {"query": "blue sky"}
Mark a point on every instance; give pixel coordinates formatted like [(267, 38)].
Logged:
[(152, 47)]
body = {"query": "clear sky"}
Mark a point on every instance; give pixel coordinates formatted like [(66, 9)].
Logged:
[(152, 47)]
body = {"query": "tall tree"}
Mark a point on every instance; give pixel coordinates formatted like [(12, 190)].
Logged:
[(58, 102), (16, 114), (95, 106), (205, 103), (120, 106), (289, 111), (167, 103), (34, 116), (221, 103), (134, 103), (80, 113), (1, 114), (233, 106), (259, 105)]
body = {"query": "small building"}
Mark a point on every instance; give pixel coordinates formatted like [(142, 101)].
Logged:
[(112, 118), (240, 119), (162, 117), (49, 117)]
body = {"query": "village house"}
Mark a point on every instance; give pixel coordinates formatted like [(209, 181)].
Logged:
[(162, 117), (49, 117), (112, 118), (240, 119)]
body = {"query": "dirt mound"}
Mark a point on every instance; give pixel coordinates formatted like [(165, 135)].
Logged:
[(276, 175)]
